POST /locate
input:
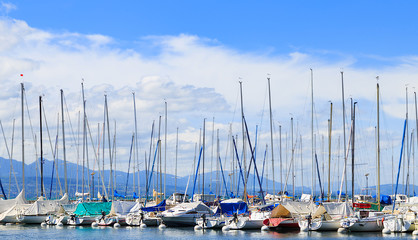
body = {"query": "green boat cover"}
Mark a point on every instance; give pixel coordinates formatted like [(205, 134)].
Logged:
[(93, 208)]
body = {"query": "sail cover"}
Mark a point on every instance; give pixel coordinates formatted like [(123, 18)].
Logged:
[(7, 204), (157, 208), (336, 209), (45, 207), (231, 206), (122, 207), (193, 206), (287, 209)]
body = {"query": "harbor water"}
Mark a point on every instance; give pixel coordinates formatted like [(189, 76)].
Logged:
[(122, 233)]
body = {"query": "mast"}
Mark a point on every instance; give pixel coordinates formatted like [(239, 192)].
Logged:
[(110, 148), (160, 163), (84, 138), (177, 150), (203, 161), (165, 147), (23, 140), (353, 119), (416, 122), (218, 157), (345, 146), (378, 144), (211, 158), (63, 141), (271, 140), (406, 179), (281, 162), (243, 143), (40, 140), (136, 146), (312, 135), (301, 161), (293, 160), (329, 154)]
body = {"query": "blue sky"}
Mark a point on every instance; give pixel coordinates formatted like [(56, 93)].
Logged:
[(193, 53), (359, 28)]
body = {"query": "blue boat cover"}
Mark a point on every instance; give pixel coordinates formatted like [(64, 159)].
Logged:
[(157, 208), (342, 193), (135, 196), (230, 208), (384, 199), (116, 194)]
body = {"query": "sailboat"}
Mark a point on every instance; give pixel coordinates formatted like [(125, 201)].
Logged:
[(118, 213), (223, 214), (87, 212), (327, 217), (185, 214), (287, 214), (10, 208), (38, 211)]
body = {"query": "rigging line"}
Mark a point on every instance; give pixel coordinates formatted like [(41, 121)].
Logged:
[(319, 178), (50, 144), (236, 106), (69, 120), (129, 166), (253, 158), (34, 139), (10, 155), (53, 169), (95, 155), (75, 137), (223, 177), (264, 161), (152, 170), (30, 123)]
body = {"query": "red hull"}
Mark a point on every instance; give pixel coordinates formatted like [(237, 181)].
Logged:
[(283, 223)]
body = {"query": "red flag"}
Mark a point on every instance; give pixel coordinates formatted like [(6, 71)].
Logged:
[(21, 75)]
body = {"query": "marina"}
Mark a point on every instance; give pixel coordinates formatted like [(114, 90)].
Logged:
[(208, 120)]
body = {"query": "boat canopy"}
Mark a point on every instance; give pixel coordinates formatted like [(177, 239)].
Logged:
[(157, 208), (231, 206), (93, 208), (44, 207), (14, 211), (384, 199), (192, 206), (288, 208), (7, 204), (122, 207), (334, 208)]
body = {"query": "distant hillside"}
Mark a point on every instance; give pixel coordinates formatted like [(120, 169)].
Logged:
[(121, 179)]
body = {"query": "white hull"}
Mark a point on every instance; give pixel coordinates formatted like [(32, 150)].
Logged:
[(9, 219), (76, 221), (398, 224), (32, 219), (320, 225), (54, 220), (212, 223), (373, 224), (245, 223), (136, 220)]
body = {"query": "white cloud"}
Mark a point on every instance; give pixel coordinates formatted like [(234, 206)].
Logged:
[(7, 7), (197, 77)]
